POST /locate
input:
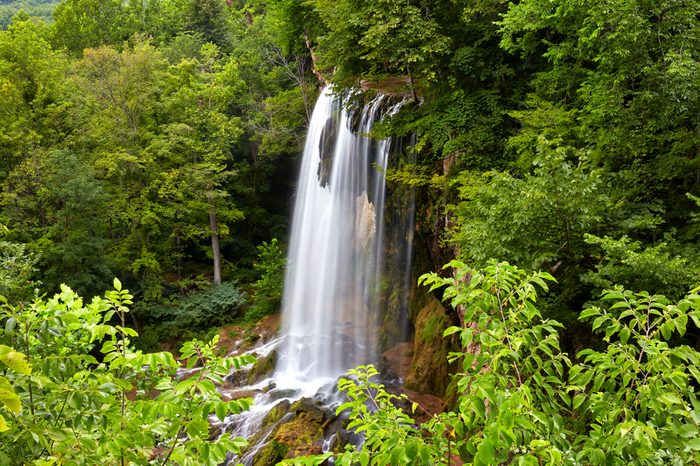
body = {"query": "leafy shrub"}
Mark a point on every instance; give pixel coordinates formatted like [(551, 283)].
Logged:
[(267, 290), (655, 268), (127, 408), (17, 266), (191, 315)]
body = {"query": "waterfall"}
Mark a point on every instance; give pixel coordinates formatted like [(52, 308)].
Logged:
[(347, 272), (336, 251)]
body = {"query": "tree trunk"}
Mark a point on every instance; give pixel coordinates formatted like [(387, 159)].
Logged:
[(215, 250), (319, 76)]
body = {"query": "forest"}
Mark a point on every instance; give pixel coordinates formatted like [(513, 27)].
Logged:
[(153, 146)]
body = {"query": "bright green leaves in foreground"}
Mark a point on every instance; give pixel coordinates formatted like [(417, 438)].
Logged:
[(510, 399), (17, 362), (520, 400), (127, 407), (639, 394)]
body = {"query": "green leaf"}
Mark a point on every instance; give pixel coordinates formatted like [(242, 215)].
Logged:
[(624, 335), (693, 443), (486, 454), (667, 329), (479, 407), (11, 401), (590, 312), (117, 284), (15, 360), (221, 411), (598, 322), (364, 458), (197, 428), (3, 425), (688, 430), (681, 323)]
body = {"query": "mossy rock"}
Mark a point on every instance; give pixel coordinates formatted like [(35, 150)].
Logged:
[(310, 408), (304, 430), (262, 368), (272, 453), (300, 436), (429, 368), (275, 414)]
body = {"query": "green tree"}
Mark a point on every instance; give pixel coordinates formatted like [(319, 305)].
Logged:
[(380, 38), (118, 104), (57, 207), (81, 24), (32, 78), (199, 96), (620, 72), (210, 19)]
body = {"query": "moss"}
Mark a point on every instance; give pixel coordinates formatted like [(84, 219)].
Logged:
[(429, 369), (305, 429), (275, 414), (272, 453), (431, 330), (263, 367), (302, 435)]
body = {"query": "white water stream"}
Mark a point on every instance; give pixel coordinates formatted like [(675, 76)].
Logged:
[(330, 313)]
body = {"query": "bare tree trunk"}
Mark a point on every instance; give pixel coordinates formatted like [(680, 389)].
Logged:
[(215, 250), (178, 245), (410, 83), (321, 79)]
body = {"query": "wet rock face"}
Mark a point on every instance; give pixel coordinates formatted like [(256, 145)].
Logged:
[(326, 148), (262, 368), (429, 368), (396, 361)]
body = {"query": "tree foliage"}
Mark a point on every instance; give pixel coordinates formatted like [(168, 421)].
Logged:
[(125, 153)]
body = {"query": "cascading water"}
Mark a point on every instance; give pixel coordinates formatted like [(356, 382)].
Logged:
[(339, 284), (335, 259)]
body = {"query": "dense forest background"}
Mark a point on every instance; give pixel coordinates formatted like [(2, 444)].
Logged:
[(140, 138), (134, 133)]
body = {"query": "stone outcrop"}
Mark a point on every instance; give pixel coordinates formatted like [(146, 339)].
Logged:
[(296, 430), (429, 368)]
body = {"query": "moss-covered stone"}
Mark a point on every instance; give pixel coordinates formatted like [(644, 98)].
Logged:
[(275, 414), (308, 407), (272, 453), (262, 368), (429, 368), (297, 430), (304, 430)]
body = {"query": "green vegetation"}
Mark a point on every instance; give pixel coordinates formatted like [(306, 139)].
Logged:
[(147, 155), (156, 141), (520, 399), (193, 315), (80, 393), (267, 289), (42, 9)]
